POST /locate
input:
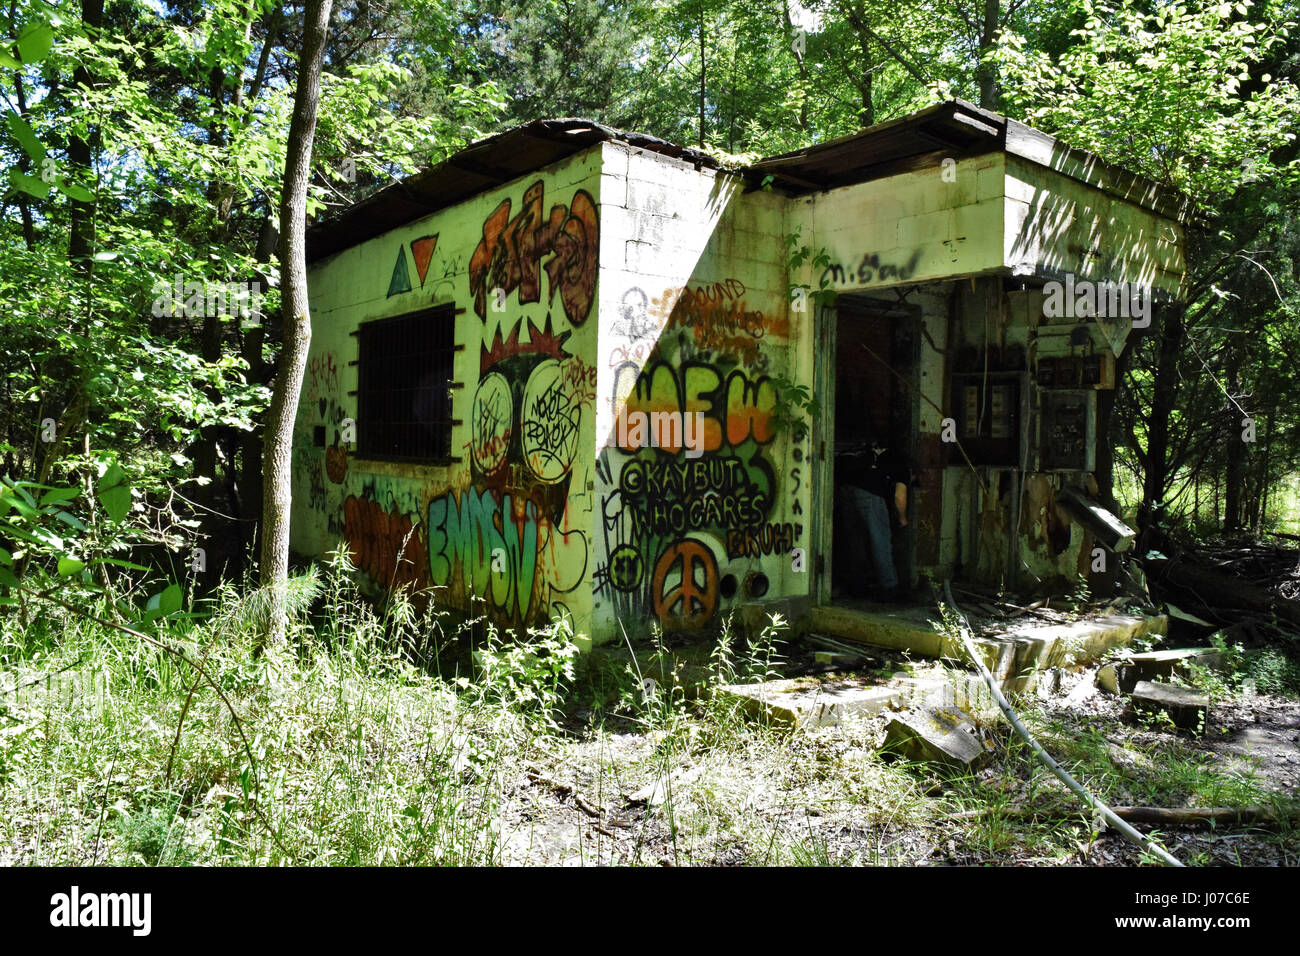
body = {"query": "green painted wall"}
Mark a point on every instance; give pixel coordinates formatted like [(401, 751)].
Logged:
[(521, 491), (695, 321), (632, 285)]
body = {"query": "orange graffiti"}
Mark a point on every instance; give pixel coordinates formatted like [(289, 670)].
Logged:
[(508, 257), (731, 409), (719, 319), (689, 602), (322, 376), (385, 545)]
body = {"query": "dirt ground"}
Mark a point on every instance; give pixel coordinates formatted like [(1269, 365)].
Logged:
[(691, 795)]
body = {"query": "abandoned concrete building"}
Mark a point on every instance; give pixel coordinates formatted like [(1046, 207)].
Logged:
[(559, 374)]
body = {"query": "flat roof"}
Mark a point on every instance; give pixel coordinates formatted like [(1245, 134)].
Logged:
[(953, 128), (477, 168)]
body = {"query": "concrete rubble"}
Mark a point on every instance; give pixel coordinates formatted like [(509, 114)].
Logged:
[(945, 735)]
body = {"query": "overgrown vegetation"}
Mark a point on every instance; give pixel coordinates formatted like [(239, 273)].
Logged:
[(143, 150), (341, 750)]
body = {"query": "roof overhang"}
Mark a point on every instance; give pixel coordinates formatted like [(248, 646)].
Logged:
[(475, 169), (953, 129)]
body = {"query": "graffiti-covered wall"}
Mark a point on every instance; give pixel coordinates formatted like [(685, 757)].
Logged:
[(504, 526), (701, 493), (625, 448)]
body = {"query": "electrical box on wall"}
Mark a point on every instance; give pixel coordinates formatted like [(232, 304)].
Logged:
[(1067, 429), (986, 409), (1086, 371)]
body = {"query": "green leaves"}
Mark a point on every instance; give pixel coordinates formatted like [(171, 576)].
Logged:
[(1175, 75), (164, 604), (35, 42), (20, 131), (61, 563), (28, 522), (73, 191), (114, 493), (29, 184)]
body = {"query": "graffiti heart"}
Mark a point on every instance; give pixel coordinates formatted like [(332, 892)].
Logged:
[(509, 256)]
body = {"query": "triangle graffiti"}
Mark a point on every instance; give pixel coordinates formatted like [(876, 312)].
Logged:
[(422, 252), (401, 280)]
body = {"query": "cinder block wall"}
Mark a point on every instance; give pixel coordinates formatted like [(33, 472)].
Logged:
[(695, 319), (506, 528)]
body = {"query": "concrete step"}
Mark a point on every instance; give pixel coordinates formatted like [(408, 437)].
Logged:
[(805, 702), (1015, 658)]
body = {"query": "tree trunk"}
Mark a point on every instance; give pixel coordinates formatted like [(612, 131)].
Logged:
[(24, 161), (81, 247), (1235, 479), (248, 490), (867, 114), (986, 73), (277, 454), (81, 229), (1164, 396), (1261, 500), (703, 74), (803, 67)]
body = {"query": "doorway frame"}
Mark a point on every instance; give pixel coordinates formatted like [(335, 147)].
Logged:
[(826, 338)]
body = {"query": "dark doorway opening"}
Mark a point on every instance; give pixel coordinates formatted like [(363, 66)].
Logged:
[(875, 448)]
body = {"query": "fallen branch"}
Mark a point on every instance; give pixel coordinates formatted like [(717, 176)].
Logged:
[(564, 789), (1164, 816), (1223, 595)]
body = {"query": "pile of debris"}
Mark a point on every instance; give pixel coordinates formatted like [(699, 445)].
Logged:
[(1249, 589)]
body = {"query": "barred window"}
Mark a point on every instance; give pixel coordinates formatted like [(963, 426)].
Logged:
[(404, 386)]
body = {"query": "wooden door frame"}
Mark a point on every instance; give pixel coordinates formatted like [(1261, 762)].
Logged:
[(826, 337), (822, 488)]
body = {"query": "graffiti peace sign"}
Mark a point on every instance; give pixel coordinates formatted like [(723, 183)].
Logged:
[(689, 601)]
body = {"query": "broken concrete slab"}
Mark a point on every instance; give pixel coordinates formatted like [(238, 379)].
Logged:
[(805, 702), (1188, 708), (900, 629), (1120, 677), (944, 735), (1108, 679), (1070, 645), (1015, 658)]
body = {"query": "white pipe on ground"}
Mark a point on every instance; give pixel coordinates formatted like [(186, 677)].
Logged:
[(1109, 815)]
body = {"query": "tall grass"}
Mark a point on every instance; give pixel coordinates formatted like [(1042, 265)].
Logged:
[(335, 749)]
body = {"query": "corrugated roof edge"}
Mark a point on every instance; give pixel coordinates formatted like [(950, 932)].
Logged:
[(951, 127), (480, 166)]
